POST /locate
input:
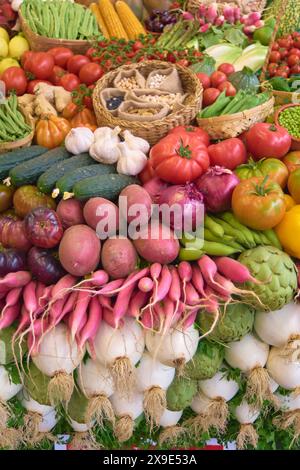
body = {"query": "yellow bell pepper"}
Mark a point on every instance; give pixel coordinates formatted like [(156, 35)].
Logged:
[(289, 202), (288, 231)]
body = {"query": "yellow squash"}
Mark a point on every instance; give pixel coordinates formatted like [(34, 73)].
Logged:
[(288, 231)]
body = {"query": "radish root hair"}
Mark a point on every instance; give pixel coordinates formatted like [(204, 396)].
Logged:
[(123, 428), (10, 438), (246, 436), (60, 388), (30, 432), (85, 441), (218, 413), (123, 375), (291, 351), (171, 435), (289, 420), (154, 403), (258, 386), (4, 414), (198, 425), (100, 409)]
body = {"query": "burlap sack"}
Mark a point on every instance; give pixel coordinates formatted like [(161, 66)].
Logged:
[(108, 93), (150, 95), (129, 110), (171, 82), (134, 74)]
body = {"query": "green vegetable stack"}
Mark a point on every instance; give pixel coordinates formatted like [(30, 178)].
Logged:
[(290, 119), (242, 101), (207, 360), (60, 19), (224, 235), (12, 123)]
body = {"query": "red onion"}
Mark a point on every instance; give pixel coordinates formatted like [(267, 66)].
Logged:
[(217, 186), (154, 188), (192, 208)]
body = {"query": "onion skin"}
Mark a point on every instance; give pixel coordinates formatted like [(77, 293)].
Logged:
[(217, 186)]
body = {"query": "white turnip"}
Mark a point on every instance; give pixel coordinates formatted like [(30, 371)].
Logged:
[(127, 409)]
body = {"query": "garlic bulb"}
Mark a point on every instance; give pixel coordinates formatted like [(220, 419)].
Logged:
[(131, 161), (105, 148), (136, 142), (107, 132), (79, 140)]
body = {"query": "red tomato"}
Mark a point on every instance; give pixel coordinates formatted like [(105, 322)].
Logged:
[(275, 46), (283, 53), (75, 63), (204, 79), (15, 80), (210, 95), (88, 102), (265, 140), (61, 55), (294, 51), (275, 57), (296, 42), (192, 130), (295, 34), (26, 56), (293, 59), (137, 46), (183, 62), (230, 90), (229, 153), (280, 73), (147, 173), (40, 64), (69, 81), (284, 42), (217, 78), (226, 68), (295, 70), (90, 53), (178, 159), (56, 75), (33, 83), (90, 73), (272, 68)]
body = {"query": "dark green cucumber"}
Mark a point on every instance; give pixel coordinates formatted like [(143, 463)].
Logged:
[(47, 180), (107, 186), (29, 172), (66, 183), (9, 160)]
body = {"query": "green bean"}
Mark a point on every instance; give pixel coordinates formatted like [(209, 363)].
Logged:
[(218, 249), (233, 102), (236, 234), (216, 108), (230, 219), (272, 237), (213, 226), (46, 17), (189, 254)]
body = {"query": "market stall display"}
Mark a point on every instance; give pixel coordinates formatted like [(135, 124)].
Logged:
[(149, 226)]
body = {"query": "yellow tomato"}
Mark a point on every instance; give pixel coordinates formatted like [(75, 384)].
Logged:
[(289, 202), (4, 34), (17, 46), (3, 48), (6, 63), (288, 231)]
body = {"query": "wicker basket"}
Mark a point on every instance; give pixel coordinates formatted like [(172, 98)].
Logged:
[(25, 142), (246, 6), (225, 127), (282, 97), (42, 43), (155, 130)]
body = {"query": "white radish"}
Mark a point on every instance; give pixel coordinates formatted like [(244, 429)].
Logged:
[(284, 371), (119, 350), (246, 415), (32, 405), (58, 357), (290, 415), (175, 348), (96, 383), (280, 328), (127, 409), (152, 379), (206, 415), (250, 355), (171, 432), (83, 438), (7, 391)]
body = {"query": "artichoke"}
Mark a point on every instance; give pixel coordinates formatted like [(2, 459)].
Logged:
[(277, 273), (206, 362), (36, 383), (236, 320), (181, 393)]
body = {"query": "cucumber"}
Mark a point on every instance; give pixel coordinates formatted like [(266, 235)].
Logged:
[(29, 172), (11, 159), (47, 180), (107, 186), (66, 183)]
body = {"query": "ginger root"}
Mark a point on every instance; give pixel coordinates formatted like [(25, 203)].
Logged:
[(45, 90), (42, 107), (62, 98)]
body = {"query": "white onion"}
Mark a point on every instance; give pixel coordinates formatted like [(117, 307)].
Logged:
[(276, 328), (94, 379), (170, 418), (32, 405), (246, 414), (152, 373), (7, 388), (247, 353), (48, 422), (127, 406), (284, 371), (200, 403), (273, 385), (219, 387), (79, 427), (289, 402)]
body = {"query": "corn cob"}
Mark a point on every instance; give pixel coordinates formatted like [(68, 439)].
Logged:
[(111, 19), (130, 22), (102, 26)]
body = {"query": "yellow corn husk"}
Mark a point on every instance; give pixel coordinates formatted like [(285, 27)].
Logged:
[(111, 19), (101, 23), (130, 22)]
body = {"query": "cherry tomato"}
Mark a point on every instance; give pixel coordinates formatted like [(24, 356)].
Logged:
[(226, 68), (69, 81), (75, 63), (284, 42), (296, 42), (217, 78), (272, 68), (61, 55), (275, 46), (280, 73), (183, 62), (293, 59), (295, 70), (294, 51), (137, 46), (56, 75), (90, 73), (210, 95), (204, 79), (91, 52), (275, 57), (88, 102), (33, 83), (230, 90), (15, 80), (283, 53)]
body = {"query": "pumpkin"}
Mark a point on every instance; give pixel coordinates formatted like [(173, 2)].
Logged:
[(83, 118), (51, 131), (244, 80)]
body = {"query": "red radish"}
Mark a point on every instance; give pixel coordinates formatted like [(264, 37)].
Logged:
[(105, 302), (97, 279), (62, 286), (169, 310), (109, 319), (234, 270), (192, 296), (81, 325), (69, 304), (78, 313), (12, 298), (122, 303), (197, 280), (36, 332), (132, 278), (29, 298), (164, 284), (149, 319), (208, 268), (175, 288), (155, 270), (190, 320), (137, 302), (11, 314), (185, 274), (112, 287), (23, 323), (18, 279), (90, 329), (45, 296), (225, 285), (145, 284)]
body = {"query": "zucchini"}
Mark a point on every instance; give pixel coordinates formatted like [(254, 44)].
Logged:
[(47, 180), (29, 172), (107, 186), (66, 183), (11, 159)]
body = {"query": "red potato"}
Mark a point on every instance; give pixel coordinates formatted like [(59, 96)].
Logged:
[(119, 257), (102, 215), (70, 212), (157, 243), (134, 195), (79, 250)]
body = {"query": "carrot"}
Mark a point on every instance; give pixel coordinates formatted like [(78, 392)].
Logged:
[(234, 270), (145, 284), (11, 314), (17, 279), (78, 313), (91, 327), (137, 302)]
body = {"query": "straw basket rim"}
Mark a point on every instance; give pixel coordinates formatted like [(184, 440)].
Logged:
[(24, 142)]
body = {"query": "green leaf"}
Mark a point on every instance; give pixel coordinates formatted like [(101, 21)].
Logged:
[(236, 36), (13, 373), (207, 65), (210, 38)]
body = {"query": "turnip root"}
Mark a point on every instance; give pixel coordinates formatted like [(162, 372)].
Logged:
[(152, 379), (57, 358), (96, 384), (290, 415), (119, 350), (171, 432), (126, 409), (250, 355), (246, 415), (175, 348), (284, 371)]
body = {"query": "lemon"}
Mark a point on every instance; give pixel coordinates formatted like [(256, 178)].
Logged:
[(4, 34), (17, 46), (8, 62), (3, 48)]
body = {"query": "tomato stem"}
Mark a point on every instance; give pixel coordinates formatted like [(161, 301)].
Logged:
[(184, 151)]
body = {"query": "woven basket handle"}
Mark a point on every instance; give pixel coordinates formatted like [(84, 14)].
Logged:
[(273, 37)]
